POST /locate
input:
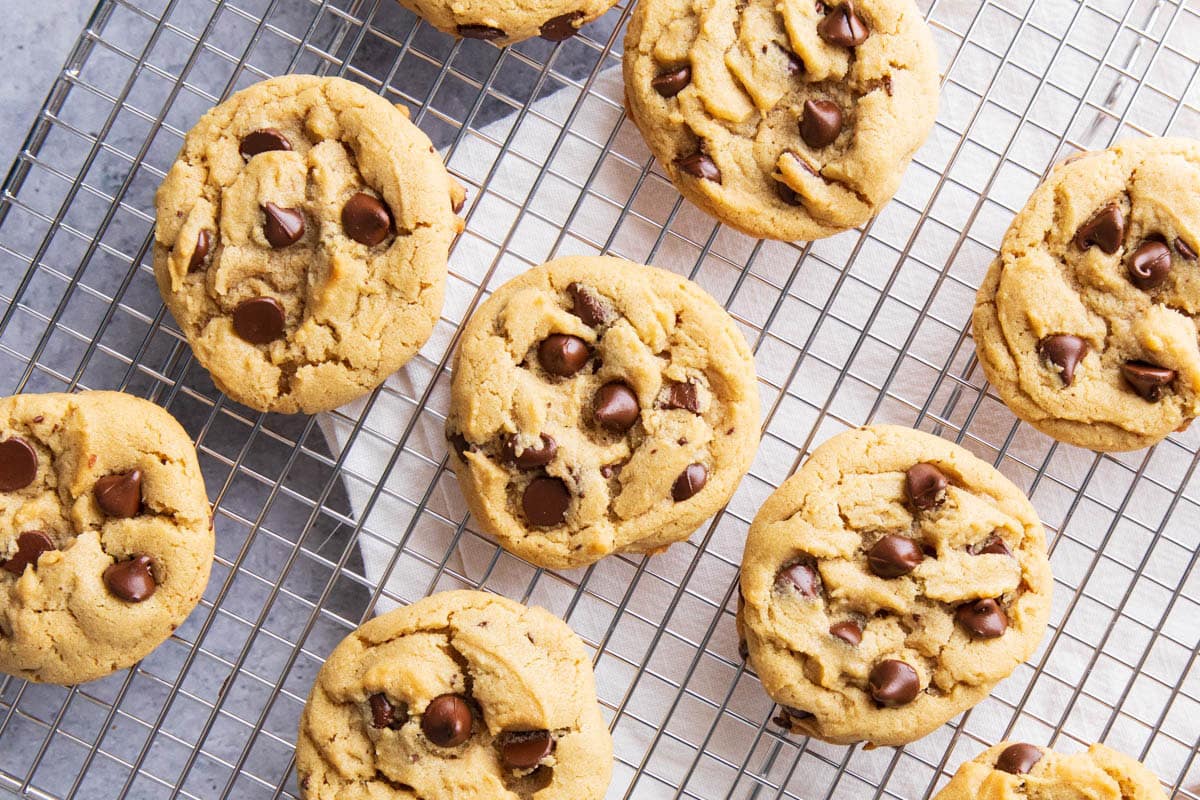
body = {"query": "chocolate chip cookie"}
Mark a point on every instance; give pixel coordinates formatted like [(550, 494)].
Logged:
[(508, 23), (599, 406), (461, 696), (1086, 324), (105, 533), (784, 119), (1016, 771), (889, 585), (301, 242)]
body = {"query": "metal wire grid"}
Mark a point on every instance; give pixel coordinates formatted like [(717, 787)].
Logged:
[(867, 326)]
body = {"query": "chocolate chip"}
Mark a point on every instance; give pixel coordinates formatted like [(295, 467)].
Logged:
[(545, 502), (984, 619), (848, 631), (586, 305), (561, 28), (893, 683), (842, 27), (1184, 249), (18, 464), (821, 123), (1065, 351), (366, 219), (672, 82), (685, 396), (1150, 265), (788, 716), (262, 141), (800, 577), (529, 457), (131, 580), (893, 556), (1147, 379), (795, 64), (386, 715), (563, 355), (447, 720), (926, 485), (689, 483), (459, 443), (1018, 759), (993, 545), (282, 226), (30, 546), (699, 165), (200, 251), (120, 495), (1106, 230), (259, 320), (525, 749), (616, 407), (787, 194), (485, 32)]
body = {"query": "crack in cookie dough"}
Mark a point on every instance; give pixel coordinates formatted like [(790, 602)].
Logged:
[(889, 585), (788, 120), (509, 22), (107, 542), (301, 242), (461, 695), (599, 406), (1015, 771), (1086, 324)]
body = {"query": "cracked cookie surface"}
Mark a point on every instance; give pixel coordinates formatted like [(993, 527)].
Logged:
[(301, 242), (106, 538), (888, 585), (1016, 771), (1086, 323), (598, 406), (511, 22), (464, 695), (786, 119)]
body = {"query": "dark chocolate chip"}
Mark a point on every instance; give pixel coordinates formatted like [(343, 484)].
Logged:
[(894, 683), (616, 407), (787, 194), (689, 483), (848, 631), (386, 715), (263, 141), (1147, 379), (842, 27), (993, 545), (562, 27), (984, 619), (447, 720), (821, 123), (120, 495), (788, 716), (259, 320), (525, 749), (685, 396), (485, 32), (563, 355), (926, 485), (282, 226), (586, 305), (131, 580), (893, 556), (200, 251), (1150, 265), (672, 82), (459, 443), (366, 219), (18, 464), (1184, 249), (529, 457), (30, 546), (1065, 351), (1106, 230), (545, 502), (1018, 759), (795, 64), (800, 577), (699, 165)]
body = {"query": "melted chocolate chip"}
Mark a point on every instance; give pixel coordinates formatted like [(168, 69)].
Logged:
[(821, 123), (848, 631), (120, 495), (1147, 379), (485, 32), (366, 219), (788, 716), (563, 355), (283, 227), (200, 251), (545, 502), (689, 482), (459, 443), (386, 715), (1018, 759), (18, 464), (787, 194), (893, 683), (1150, 265), (842, 27), (30, 546), (562, 27), (993, 545), (672, 82), (983, 619), (447, 720), (525, 749), (926, 485), (1065, 351), (1106, 230), (1184, 250), (131, 580), (685, 396), (259, 320), (894, 556), (263, 140), (616, 407), (586, 305), (529, 457), (795, 64), (800, 577), (699, 165)]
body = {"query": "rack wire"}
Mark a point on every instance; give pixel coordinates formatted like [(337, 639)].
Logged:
[(321, 521)]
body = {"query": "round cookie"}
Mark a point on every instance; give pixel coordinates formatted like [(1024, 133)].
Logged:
[(508, 23), (888, 585), (301, 242), (600, 406), (461, 696), (1015, 771), (788, 120), (105, 533), (1086, 324)]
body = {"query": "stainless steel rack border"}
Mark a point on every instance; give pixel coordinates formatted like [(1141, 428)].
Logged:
[(868, 326)]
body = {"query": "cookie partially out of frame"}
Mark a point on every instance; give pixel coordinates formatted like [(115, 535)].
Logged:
[(508, 23), (600, 406), (889, 585), (105, 533)]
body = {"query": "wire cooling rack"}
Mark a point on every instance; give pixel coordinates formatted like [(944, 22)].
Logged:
[(321, 521)]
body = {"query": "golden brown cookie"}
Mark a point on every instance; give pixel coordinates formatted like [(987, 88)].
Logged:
[(508, 23)]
